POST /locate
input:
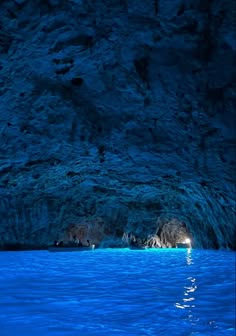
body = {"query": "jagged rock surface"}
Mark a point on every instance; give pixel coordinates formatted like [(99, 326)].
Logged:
[(117, 113)]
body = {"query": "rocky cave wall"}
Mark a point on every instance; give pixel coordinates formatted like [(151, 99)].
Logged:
[(116, 113)]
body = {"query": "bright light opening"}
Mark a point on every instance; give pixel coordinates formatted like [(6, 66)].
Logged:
[(187, 241)]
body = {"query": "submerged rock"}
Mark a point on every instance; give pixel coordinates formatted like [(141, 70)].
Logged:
[(119, 110)]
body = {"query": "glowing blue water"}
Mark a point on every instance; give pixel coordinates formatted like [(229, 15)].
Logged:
[(170, 292)]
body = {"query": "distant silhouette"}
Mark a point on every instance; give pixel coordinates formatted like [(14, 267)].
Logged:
[(80, 243)]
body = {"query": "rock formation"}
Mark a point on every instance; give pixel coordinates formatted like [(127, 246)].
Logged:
[(118, 112)]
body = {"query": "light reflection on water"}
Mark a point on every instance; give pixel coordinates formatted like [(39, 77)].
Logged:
[(190, 288), (176, 292), (189, 294)]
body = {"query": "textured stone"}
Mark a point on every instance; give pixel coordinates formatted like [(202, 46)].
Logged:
[(117, 110)]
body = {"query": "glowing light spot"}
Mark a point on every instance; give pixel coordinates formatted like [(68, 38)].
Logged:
[(187, 241)]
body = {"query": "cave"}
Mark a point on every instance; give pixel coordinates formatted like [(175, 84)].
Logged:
[(135, 125), (171, 230), (117, 149)]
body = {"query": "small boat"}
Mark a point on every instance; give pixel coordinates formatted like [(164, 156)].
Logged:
[(138, 247), (70, 248), (183, 245)]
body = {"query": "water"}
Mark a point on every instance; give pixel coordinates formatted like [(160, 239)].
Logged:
[(171, 292)]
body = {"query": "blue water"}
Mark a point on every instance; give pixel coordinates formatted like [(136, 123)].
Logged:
[(117, 292)]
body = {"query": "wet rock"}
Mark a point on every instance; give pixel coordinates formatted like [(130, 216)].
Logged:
[(117, 110)]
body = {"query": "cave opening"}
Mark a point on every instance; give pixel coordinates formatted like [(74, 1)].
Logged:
[(170, 231)]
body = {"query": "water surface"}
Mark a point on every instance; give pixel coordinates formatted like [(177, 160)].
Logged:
[(117, 292)]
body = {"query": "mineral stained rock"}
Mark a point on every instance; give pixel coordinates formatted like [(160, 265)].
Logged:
[(118, 114)]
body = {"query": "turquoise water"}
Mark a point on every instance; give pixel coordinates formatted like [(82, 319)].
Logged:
[(117, 292)]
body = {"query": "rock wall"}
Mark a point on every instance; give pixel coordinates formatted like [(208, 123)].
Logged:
[(117, 113)]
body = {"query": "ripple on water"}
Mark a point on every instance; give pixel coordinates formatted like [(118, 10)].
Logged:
[(118, 292)]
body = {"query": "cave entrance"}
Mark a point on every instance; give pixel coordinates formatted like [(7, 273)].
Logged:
[(169, 232), (76, 232)]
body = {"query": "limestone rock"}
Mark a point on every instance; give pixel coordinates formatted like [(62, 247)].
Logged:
[(119, 110)]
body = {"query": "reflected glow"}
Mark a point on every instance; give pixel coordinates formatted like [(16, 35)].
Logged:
[(189, 257), (188, 291), (118, 292)]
